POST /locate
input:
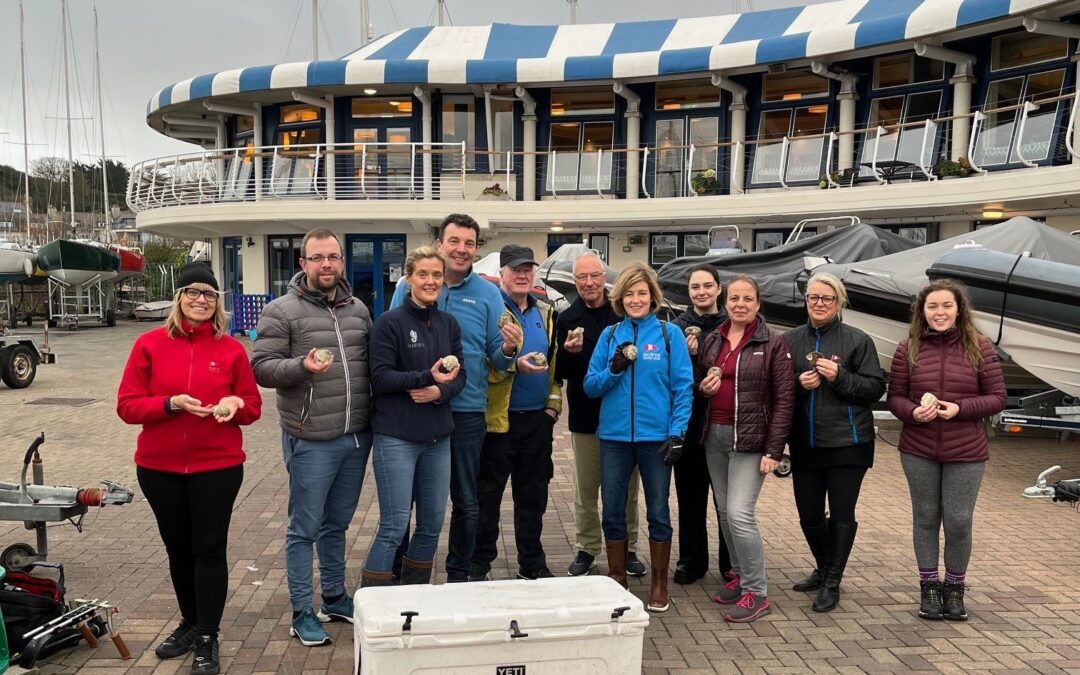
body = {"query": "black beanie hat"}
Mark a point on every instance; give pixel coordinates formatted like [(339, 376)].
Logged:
[(196, 273)]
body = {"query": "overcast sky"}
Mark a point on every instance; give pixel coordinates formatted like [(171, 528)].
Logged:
[(148, 44)]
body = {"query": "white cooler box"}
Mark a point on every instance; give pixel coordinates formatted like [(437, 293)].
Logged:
[(586, 624)]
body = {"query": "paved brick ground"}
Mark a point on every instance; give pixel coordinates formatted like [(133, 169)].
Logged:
[(1025, 583)]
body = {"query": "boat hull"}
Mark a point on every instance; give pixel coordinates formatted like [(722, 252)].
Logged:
[(14, 263), (76, 263), (132, 263)]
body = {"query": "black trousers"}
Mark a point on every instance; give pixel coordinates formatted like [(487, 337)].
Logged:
[(692, 484), (840, 485), (193, 513), (522, 455)]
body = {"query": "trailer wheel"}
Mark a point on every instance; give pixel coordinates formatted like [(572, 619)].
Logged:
[(18, 366), (110, 317), (18, 557)]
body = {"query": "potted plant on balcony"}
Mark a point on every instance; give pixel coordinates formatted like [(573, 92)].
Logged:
[(494, 191), (947, 168), (705, 183)]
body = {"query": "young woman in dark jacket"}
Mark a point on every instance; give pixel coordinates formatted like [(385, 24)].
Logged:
[(838, 379), (413, 384), (944, 382), (691, 471), (744, 369)]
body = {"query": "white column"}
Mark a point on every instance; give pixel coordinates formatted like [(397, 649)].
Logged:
[(257, 139), (846, 149), (330, 158), (528, 119), (738, 107), (633, 138), (961, 127), (425, 136)]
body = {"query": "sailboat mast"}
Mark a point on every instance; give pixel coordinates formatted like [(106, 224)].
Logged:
[(26, 137), (101, 127), (67, 106)]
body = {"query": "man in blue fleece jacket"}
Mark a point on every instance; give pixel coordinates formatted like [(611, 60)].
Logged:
[(477, 305)]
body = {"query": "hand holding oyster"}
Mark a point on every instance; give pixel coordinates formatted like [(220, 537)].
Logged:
[(928, 400), (692, 331), (323, 356), (577, 333), (715, 372), (812, 357), (538, 359), (221, 410), (505, 318), (630, 352), (449, 363)]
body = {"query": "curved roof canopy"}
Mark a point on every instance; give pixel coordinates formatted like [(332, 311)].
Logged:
[(509, 53)]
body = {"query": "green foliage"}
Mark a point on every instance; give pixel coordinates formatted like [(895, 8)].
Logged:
[(169, 252), (48, 185)]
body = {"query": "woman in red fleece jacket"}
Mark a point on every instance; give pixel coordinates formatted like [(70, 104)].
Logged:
[(191, 387), (945, 381)]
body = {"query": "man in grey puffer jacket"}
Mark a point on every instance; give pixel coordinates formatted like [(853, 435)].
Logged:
[(324, 403)]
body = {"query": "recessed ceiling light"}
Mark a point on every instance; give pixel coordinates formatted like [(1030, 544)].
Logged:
[(556, 228), (395, 103), (370, 92), (992, 215)]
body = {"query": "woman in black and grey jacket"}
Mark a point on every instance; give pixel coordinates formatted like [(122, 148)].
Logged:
[(415, 370), (832, 435), (692, 480)]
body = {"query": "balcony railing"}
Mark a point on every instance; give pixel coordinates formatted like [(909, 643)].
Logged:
[(1024, 134)]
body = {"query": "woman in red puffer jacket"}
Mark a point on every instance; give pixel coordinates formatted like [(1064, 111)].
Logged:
[(945, 381)]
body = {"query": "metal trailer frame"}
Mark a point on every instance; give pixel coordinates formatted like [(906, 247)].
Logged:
[(1052, 410), (37, 504), (70, 304)]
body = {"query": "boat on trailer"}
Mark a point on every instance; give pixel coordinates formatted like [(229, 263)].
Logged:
[(77, 261)]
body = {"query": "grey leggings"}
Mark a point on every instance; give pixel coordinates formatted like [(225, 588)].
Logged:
[(942, 494)]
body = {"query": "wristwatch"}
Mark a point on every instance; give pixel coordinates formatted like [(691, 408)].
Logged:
[(169, 407)]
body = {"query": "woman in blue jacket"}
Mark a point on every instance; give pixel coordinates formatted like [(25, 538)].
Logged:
[(641, 371), (414, 378)]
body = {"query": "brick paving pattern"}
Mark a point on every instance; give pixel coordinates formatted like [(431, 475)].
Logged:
[(1025, 584)]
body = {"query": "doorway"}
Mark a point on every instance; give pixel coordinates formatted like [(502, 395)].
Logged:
[(376, 262), (382, 161)]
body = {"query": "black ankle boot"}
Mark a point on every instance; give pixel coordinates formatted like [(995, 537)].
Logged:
[(953, 602), (930, 604), (841, 539), (817, 538)]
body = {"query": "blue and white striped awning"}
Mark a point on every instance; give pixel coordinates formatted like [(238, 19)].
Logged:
[(508, 53)]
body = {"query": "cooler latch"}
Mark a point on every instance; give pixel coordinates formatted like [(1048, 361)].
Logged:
[(407, 626), (619, 611), (515, 631)]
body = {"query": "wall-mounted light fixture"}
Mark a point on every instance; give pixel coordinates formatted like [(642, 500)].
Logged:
[(992, 215), (250, 241)]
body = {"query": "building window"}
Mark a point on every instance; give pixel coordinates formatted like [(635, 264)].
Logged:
[(672, 150), (1024, 49), (244, 124), (577, 164), (803, 155), (664, 248), (771, 238), (998, 141), (367, 108), (906, 144), (557, 241), (582, 101), (284, 253), (502, 128), (898, 70), (459, 125), (686, 94), (292, 114), (794, 85), (600, 244), (918, 232)]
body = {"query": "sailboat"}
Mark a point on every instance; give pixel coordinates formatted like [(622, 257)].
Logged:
[(16, 262)]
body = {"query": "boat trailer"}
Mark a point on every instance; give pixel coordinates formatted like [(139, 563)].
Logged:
[(1050, 410), (37, 504)]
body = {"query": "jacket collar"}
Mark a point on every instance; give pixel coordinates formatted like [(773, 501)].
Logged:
[(761, 329), (827, 328), (422, 313), (578, 308), (644, 322), (204, 329)]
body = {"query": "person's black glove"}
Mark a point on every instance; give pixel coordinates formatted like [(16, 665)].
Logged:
[(619, 362), (672, 450)]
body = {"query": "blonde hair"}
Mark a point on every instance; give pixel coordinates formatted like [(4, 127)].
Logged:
[(220, 320), (636, 273), (422, 253), (833, 282)]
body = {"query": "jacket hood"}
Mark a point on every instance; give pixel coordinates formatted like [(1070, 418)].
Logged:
[(298, 285)]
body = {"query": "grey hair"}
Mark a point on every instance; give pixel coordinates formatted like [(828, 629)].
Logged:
[(833, 282), (591, 255)]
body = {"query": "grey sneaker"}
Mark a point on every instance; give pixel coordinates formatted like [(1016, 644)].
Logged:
[(309, 629), (342, 610), (730, 593), (583, 564), (750, 607)]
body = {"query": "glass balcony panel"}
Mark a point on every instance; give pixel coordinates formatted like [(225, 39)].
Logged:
[(766, 163), (804, 159)]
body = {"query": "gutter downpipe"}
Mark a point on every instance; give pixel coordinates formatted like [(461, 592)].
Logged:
[(962, 80), (1066, 30), (633, 136), (255, 112), (425, 136), (738, 109), (528, 123), (330, 159), (846, 151)]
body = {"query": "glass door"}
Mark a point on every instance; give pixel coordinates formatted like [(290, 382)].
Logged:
[(385, 168), (669, 176), (376, 262), (232, 262)]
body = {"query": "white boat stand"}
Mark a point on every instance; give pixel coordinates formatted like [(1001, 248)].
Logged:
[(71, 304)]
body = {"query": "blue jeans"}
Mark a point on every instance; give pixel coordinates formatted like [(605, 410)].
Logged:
[(325, 478), (466, 442), (406, 471), (617, 462)]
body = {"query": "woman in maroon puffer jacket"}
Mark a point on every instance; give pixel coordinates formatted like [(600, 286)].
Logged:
[(945, 381)]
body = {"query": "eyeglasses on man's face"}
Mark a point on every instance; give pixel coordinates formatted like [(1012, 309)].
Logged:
[(594, 276), (318, 258), (196, 293), (823, 299)]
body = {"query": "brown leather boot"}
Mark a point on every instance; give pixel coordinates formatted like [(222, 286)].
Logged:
[(369, 578), (414, 572), (660, 558), (616, 561)]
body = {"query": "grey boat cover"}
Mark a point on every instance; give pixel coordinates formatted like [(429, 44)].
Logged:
[(902, 274), (779, 269)]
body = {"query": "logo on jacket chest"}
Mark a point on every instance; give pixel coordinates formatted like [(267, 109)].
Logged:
[(414, 341), (213, 367), (650, 352)]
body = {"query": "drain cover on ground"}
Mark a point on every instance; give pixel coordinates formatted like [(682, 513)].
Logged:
[(70, 402)]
